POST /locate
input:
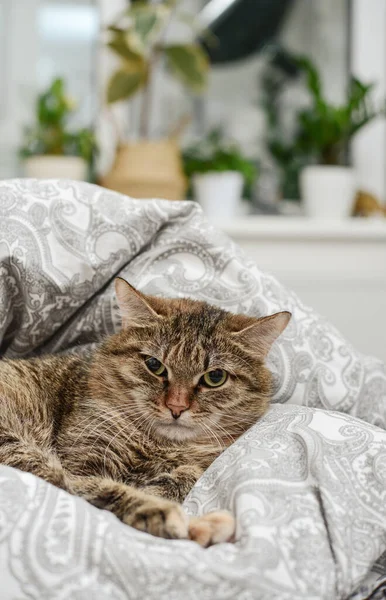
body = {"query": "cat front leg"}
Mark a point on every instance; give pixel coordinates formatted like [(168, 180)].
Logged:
[(134, 507), (175, 485), (154, 515), (212, 528), (31, 459), (140, 510)]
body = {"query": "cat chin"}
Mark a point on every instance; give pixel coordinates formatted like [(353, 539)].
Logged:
[(176, 432)]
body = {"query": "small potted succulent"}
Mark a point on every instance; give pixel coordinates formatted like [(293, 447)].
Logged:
[(147, 166), (219, 174), (50, 148)]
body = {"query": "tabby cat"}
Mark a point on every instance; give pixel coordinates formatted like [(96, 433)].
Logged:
[(132, 428)]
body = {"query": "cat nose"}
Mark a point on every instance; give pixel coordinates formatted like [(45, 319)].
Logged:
[(177, 411), (177, 401)]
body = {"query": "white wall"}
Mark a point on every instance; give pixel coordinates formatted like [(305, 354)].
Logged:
[(18, 81), (108, 121), (39, 42), (369, 64)]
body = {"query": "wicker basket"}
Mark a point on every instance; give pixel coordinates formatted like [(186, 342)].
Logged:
[(148, 169)]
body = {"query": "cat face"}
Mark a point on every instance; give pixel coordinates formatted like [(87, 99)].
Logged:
[(183, 369)]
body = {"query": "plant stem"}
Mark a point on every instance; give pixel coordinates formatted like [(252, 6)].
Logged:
[(115, 125), (145, 110), (147, 97)]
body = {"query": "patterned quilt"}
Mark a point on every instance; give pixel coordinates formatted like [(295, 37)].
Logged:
[(307, 483)]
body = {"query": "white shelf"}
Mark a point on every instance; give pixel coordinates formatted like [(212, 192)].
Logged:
[(258, 227)]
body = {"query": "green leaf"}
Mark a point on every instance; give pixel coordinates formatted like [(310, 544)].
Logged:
[(145, 23), (123, 85), (148, 20), (57, 87), (53, 106), (190, 64), (131, 76), (115, 29), (120, 45), (314, 83)]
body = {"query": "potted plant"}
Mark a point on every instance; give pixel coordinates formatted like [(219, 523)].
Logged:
[(150, 167), (324, 132), (50, 148), (219, 173), (318, 153)]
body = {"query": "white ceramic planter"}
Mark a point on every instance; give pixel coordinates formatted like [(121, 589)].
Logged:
[(219, 193), (327, 192), (57, 167)]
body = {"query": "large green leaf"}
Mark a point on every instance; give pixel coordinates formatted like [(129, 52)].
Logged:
[(147, 21), (314, 83), (123, 85), (120, 44), (115, 29), (190, 64)]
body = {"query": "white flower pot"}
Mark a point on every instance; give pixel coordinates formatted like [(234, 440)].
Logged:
[(327, 192), (56, 167), (219, 193)]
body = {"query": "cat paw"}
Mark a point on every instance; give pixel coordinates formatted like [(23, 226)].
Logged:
[(160, 518), (213, 528)]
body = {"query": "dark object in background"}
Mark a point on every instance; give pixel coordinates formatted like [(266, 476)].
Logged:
[(243, 28)]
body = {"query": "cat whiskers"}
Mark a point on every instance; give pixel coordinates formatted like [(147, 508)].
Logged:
[(101, 418), (105, 424), (149, 427), (122, 411), (123, 432), (213, 435), (238, 425), (105, 430), (120, 432), (238, 420), (222, 430)]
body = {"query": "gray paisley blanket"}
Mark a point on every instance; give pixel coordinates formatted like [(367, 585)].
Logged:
[(307, 483)]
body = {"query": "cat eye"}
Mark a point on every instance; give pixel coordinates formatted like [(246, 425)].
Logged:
[(214, 378), (155, 366)]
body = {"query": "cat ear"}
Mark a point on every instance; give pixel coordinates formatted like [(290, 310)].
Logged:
[(260, 336), (135, 310)]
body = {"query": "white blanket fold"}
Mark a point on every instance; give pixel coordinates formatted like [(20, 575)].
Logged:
[(308, 486)]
